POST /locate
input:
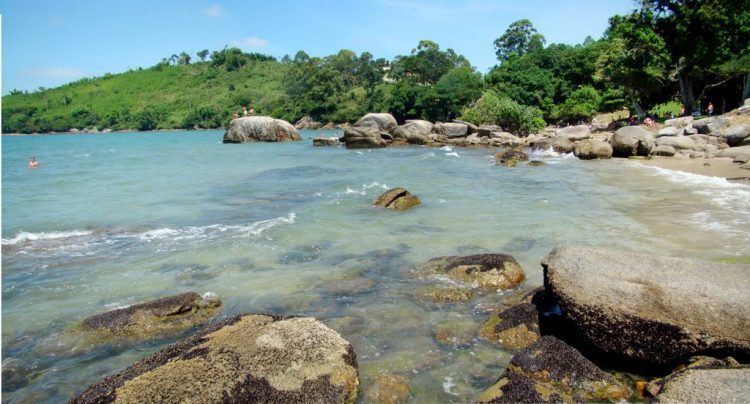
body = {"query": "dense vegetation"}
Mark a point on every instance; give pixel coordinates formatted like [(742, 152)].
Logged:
[(690, 51)]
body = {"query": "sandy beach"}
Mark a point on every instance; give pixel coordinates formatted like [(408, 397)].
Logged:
[(714, 167)]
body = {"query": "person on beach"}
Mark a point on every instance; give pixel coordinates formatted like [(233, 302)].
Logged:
[(682, 110), (244, 110), (33, 163), (710, 108), (252, 110)]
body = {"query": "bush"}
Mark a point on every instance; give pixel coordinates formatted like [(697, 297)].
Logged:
[(513, 117), (580, 106)]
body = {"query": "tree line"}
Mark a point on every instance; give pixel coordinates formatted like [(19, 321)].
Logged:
[(690, 52)]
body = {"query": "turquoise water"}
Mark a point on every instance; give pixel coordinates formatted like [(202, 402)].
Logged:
[(111, 220)]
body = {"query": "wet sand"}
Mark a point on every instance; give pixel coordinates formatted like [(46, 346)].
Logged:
[(715, 167)]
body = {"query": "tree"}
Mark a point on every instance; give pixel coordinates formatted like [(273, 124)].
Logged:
[(173, 59), (519, 39), (202, 54), (184, 59), (426, 64), (510, 115)]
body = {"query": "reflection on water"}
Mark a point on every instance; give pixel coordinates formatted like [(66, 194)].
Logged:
[(289, 229)]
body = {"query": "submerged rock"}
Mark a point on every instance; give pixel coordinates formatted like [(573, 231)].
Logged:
[(510, 157), (591, 149), (388, 389), (551, 371), (494, 271), (260, 129), (247, 358), (397, 199), (514, 328), (325, 141), (446, 294), (167, 314), (536, 163), (650, 309)]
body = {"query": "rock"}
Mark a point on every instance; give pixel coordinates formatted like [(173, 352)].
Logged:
[(667, 131), (383, 122), (485, 130), (474, 140), (260, 129), (324, 141), (678, 142), (457, 333), (736, 134), (667, 151), (168, 314), (414, 132), (710, 126), (733, 152), (650, 309), (247, 358), (680, 122), (471, 128), (703, 380), (741, 158), (632, 141), (447, 294), (397, 199), (510, 157), (574, 133), (562, 145), (551, 371), (363, 138), (514, 328), (536, 163), (590, 149), (491, 271), (306, 122), (451, 129), (505, 139), (388, 389)]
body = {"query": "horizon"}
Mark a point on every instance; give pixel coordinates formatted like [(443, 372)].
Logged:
[(88, 39)]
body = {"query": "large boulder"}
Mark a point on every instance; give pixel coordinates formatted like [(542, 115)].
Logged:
[(451, 129), (632, 141), (650, 309), (414, 132), (168, 314), (551, 371), (493, 271), (397, 199), (306, 122), (678, 142), (680, 122), (260, 129), (736, 134), (381, 121), (665, 151), (591, 149), (505, 139), (668, 131), (574, 133), (363, 137), (247, 358), (733, 152), (711, 126)]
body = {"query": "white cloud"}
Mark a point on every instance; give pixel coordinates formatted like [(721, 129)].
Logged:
[(251, 42), (215, 11), (65, 72)]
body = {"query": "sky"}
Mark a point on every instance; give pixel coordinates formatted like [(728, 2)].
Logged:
[(46, 43)]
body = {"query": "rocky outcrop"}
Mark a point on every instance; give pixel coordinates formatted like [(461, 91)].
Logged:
[(680, 122), (397, 199), (325, 141), (666, 151), (574, 133), (383, 122), (510, 157), (492, 271), (451, 129), (733, 152), (247, 358), (414, 132), (306, 122), (668, 131), (737, 134), (678, 142), (704, 380), (168, 314), (260, 129), (632, 141), (514, 328), (551, 371), (591, 149), (710, 126), (363, 137), (650, 309)]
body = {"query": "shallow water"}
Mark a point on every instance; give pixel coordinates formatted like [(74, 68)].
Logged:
[(111, 220)]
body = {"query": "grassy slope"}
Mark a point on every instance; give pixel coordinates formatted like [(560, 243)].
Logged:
[(173, 90)]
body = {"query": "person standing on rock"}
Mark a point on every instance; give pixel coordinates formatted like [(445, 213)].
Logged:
[(244, 110)]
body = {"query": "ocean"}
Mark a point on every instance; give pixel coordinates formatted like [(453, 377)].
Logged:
[(109, 220)]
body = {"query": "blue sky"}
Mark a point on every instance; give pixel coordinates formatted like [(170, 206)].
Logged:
[(49, 43)]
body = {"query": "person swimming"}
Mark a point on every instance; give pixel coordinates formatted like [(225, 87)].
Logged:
[(33, 163)]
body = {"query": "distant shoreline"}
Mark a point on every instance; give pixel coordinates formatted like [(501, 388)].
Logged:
[(110, 132)]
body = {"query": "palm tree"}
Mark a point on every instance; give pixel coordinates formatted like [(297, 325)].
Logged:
[(202, 54), (173, 59), (184, 59)]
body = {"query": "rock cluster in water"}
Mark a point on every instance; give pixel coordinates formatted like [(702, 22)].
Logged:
[(397, 199)]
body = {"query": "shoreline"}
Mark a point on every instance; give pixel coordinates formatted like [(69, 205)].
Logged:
[(721, 167)]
